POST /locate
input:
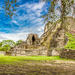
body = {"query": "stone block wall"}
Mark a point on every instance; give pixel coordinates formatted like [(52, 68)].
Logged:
[(2, 53), (69, 54), (29, 52)]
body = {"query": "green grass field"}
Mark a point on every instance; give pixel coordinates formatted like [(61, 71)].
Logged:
[(32, 65), (11, 59)]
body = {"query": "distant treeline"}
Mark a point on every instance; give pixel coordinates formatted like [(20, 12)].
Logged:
[(6, 45)]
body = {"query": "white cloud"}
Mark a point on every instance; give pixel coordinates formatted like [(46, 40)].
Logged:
[(21, 34), (32, 10), (38, 5), (32, 15), (13, 36), (15, 22), (33, 6)]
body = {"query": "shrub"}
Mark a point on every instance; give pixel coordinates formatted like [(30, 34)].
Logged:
[(71, 42)]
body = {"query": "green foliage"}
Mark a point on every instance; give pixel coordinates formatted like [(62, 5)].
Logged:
[(19, 42), (5, 48), (0, 44), (64, 8), (2, 49), (71, 42), (8, 42), (10, 59), (6, 45)]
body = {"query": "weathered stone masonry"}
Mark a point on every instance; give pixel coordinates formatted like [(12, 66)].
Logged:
[(31, 47), (68, 54)]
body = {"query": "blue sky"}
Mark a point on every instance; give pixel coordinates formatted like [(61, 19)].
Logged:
[(28, 20)]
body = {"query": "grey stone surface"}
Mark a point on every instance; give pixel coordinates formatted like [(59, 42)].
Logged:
[(55, 53), (30, 52), (2, 53), (69, 54), (32, 39)]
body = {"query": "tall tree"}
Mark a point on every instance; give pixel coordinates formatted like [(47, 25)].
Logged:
[(64, 8), (8, 42), (6, 45)]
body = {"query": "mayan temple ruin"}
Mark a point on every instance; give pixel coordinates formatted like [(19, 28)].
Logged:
[(29, 47), (48, 44)]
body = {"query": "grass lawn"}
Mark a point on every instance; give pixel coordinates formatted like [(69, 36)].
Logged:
[(11, 59)]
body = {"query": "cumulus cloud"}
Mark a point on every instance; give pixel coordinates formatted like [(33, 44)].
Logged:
[(28, 20), (13, 36), (21, 34)]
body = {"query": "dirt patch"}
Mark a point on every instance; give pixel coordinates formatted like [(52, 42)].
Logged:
[(38, 68)]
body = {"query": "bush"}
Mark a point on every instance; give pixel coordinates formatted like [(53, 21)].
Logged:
[(6, 45), (2, 49), (71, 42), (5, 48)]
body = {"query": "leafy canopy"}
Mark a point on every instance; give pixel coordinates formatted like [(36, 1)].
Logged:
[(19, 42), (63, 6), (6, 45)]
